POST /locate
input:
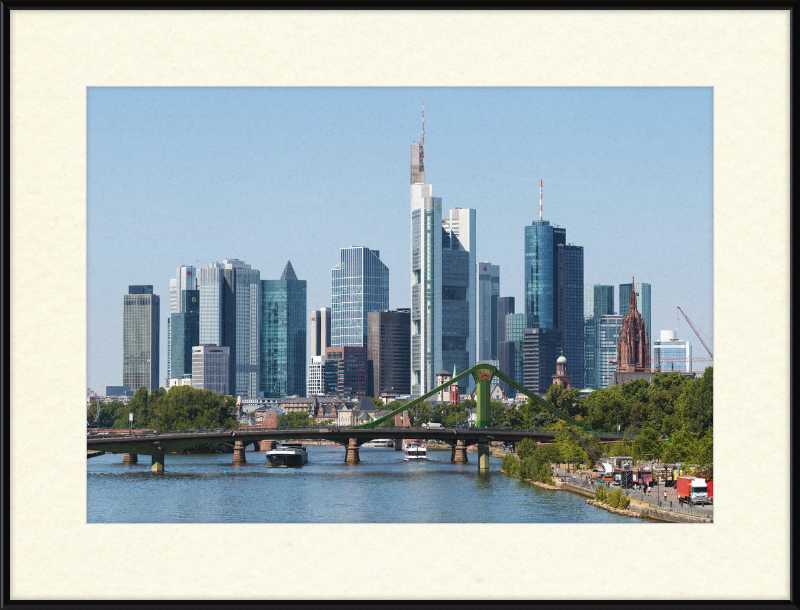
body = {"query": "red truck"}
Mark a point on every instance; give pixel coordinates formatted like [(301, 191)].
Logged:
[(710, 485), (692, 490)]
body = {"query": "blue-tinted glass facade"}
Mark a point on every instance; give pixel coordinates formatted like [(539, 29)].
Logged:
[(541, 284), (607, 339), (673, 356), (184, 335), (359, 284), (598, 300), (283, 338)]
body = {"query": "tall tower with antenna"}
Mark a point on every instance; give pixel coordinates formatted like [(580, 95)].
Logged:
[(540, 200)]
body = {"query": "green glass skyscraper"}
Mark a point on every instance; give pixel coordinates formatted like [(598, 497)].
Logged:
[(140, 338), (598, 300), (283, 336)]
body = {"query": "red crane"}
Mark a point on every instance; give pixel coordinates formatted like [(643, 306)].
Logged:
[(696, 333)]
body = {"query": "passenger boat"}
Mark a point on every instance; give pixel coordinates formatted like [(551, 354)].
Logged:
[(415, 451), (379, 442), (287, 455)]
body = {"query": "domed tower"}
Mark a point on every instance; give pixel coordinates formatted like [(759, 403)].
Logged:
[(562, 377)]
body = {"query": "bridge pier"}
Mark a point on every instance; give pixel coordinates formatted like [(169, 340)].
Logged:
[(238, 452), (130, 458), (351, 451), (459, 454), (158, 462), (266, 445), (483, 457)]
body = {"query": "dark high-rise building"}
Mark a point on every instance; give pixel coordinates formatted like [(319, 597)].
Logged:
[(505, 352), (554, 292), (351, 369), (320, 330), (140, 338), (540, 349), (598, 300), (569, 308), (185, 333), (283, 336), (486, 310), (389, 351), (505, 305)]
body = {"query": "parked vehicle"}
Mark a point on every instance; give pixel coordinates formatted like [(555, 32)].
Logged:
[(692, 490), (710, 485)]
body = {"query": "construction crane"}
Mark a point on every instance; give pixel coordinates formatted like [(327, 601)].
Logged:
[(596, 457), (696, 333)]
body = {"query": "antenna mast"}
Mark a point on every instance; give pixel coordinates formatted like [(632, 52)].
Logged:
[(422, 141), (540, 201)]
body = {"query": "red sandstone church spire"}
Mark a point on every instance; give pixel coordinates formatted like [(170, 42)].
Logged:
[(633, 346)]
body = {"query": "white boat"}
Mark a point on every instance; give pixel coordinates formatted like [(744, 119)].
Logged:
[(379, 442), (287, 455), (415, 451)]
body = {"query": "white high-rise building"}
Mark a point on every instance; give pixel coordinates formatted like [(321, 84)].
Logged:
[(672, 355), (230, 316), (443, 284), (315, 384)]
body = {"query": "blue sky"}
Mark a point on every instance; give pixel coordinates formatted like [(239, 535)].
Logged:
[(194, 175)]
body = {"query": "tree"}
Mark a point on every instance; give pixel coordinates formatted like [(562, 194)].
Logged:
[(646, 443), (294, 420), (498, 414), (378, 403), (564, 399), (525, 448)]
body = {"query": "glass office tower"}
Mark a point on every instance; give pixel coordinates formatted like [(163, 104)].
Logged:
[(541, 280), (569, 308), (283, 336), (359, 284), (140, 338), (607, 339), (183, 324), (486, 310), (672, 355), (230, 316), (598, 300)]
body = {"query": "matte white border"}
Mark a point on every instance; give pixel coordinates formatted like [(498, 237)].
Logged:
[(56, 55)]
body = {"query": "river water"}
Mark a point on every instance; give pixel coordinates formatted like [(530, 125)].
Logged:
[(383, 488)]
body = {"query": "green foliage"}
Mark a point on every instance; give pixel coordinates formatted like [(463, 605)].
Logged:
[(108, 413), (624, 501), (510, 463), (535, 467), (378, 403), (525, 448), (295, 420), (646, 443), (182, 408), (613, 498), (564, 399), (498, 414), (600, 493)]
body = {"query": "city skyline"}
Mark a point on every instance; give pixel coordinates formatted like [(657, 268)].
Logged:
[(618, 165)]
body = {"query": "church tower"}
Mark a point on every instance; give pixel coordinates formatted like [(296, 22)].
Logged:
[(562, 377), (633, 346)]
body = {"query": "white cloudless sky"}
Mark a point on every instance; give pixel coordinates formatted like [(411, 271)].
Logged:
[(194, 175)]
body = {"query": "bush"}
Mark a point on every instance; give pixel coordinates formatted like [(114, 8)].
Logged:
[(613, 498), (510, 464), (600, 494), (624, 501)]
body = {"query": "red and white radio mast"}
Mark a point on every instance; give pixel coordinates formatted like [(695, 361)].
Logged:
[(540, 201)]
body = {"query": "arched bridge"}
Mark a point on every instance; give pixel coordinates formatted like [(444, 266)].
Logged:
[(354, 436)]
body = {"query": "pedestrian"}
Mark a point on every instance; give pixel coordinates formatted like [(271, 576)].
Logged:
[(665, 495)]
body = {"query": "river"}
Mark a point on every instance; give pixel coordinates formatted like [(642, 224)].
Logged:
[(383, 488)]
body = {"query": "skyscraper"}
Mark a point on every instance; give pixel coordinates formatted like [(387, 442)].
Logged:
[(351, 369), (607, 340), (389, 351), (359, 284), (569, 308), (230, 306), (505, 350), (554, 291), (486, 310), (210, 368), (598, 300), (140, 338), (672, 355), (184, 321), (283, 335), (320, 330), (443, 282), (539, 354), (642, 302)]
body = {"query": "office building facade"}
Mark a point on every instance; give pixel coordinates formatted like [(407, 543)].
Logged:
[(230, 316), (320, 330), (351, 369), (359, 284), (607, 340), (183, 324), (540, 350), (598, 300), (569, 308), (210, 368), (140, 337), (443, 282), (283, 336), (672, 355), (486, 310), (389, 351)]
